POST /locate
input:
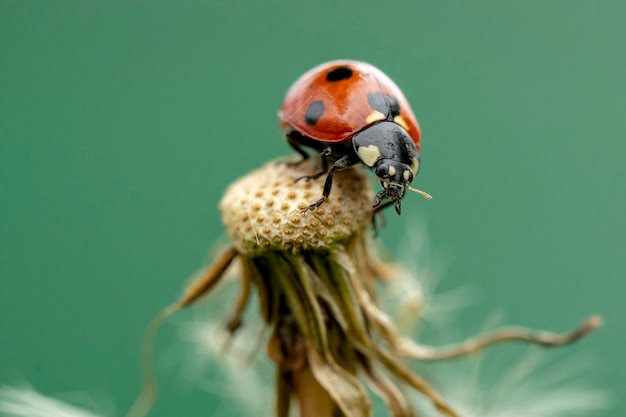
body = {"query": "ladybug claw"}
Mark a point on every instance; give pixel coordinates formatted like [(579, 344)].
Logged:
[(314, 205)]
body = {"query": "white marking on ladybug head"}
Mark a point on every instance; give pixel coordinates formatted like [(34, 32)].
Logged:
[(369, 154), (399, 120), (392, 170), (415, 165), (374, 116), (406, 174)]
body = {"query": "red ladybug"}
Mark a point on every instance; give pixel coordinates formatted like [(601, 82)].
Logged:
[(352, 112)]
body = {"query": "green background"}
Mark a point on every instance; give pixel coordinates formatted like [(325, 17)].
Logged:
[(122, 122)]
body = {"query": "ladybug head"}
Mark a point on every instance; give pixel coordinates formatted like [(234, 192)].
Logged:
[(390, 152), (395, 177)]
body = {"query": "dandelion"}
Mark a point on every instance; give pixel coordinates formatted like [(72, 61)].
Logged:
[(314, 274)]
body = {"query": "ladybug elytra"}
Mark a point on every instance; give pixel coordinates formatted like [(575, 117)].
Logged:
[(353, 113)]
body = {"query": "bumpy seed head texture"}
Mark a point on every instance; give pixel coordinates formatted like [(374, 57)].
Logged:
[(263, 210)]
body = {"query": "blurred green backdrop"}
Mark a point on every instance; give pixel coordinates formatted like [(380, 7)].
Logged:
[(122, 122)]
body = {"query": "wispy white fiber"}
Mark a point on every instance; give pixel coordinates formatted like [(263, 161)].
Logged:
[(25, 401)]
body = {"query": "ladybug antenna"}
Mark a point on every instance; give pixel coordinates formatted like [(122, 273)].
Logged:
[(420, 192)]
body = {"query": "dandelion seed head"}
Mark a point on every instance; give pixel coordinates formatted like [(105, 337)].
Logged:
[(263, 210)]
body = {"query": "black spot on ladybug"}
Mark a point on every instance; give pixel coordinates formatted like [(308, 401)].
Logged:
[(384, 103), (394, 106), (338, 74), (377, 102), (314, 112)]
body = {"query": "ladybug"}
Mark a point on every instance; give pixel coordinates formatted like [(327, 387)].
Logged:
[(353, 113)]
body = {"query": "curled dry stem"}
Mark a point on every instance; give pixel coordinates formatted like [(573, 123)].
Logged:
[(409, 348)]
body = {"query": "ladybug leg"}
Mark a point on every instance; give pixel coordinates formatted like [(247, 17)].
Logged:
[(378, 207), (379, 195), (295, 145), (324, 156), (342, 163), (378, 213), (376, 227), (383, 206)]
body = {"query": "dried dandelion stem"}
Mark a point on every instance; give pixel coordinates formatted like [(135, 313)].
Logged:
[(313, 399)]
